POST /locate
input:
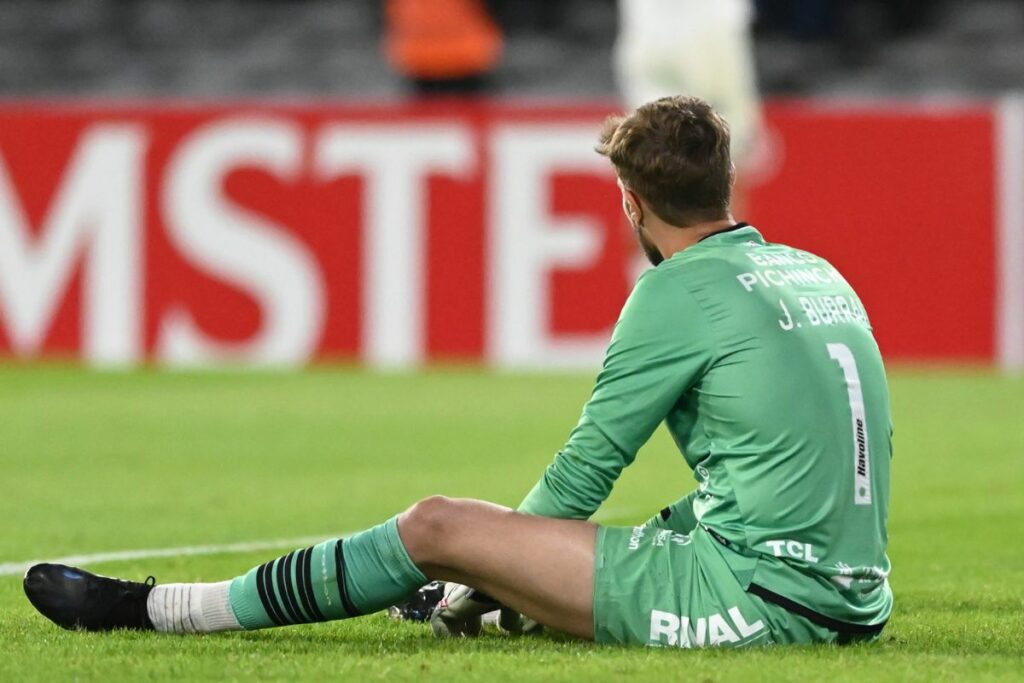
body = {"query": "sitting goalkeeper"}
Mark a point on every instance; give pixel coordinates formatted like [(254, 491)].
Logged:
[(761, 362)]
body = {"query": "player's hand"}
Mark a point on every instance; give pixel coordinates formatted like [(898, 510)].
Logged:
[(512, 621), (460, 611)]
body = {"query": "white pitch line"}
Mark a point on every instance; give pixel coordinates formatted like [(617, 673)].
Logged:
[(15, 568)]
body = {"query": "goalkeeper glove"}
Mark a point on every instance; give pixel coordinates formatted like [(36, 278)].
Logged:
[(461, 613)]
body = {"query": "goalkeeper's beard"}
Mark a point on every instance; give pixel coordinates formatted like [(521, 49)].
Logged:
[(651, 251)]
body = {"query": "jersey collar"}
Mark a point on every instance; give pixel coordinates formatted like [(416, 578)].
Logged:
[(739, 233), (734, 228)]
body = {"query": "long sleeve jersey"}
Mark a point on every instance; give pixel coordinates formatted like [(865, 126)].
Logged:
[(761, 361)]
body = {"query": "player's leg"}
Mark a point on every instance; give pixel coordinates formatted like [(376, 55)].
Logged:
[(541, 566)]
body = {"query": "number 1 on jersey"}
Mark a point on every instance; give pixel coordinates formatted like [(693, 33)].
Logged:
[(861, 461)]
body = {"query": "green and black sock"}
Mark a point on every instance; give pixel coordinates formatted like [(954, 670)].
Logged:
[(336, 579)]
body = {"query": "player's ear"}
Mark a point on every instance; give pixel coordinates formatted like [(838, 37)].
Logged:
[(632, 206)]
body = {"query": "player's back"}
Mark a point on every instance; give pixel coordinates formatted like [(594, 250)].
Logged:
[(789, 428)]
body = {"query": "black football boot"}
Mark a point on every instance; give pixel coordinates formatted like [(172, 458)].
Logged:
[(75, 599)]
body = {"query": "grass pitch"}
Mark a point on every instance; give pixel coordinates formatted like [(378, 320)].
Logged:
[(105, 462)]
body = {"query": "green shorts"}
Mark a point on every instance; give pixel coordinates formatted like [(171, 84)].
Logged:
[(658, 587)]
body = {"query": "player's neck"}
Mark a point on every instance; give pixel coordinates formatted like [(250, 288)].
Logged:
[(671, 240)]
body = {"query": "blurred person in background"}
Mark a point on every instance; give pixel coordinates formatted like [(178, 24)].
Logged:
[(698, 48), (443, 46)]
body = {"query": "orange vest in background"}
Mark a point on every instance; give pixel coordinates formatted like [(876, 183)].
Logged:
[(439, 39)]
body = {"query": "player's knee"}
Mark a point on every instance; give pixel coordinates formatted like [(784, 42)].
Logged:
[(426, 525)]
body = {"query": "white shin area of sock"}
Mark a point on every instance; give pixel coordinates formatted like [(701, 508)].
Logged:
[(191, 608)]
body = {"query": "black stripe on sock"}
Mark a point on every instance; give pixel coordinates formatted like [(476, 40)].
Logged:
[(300, 586), (346, 601), (295, 587), (267, 600), (304, 577), (284, 589), (275, 602)]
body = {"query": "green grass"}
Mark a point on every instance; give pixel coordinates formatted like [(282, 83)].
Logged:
[(97, 462)]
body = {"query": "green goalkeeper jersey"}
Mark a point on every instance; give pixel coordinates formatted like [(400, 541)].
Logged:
[(760, 360)]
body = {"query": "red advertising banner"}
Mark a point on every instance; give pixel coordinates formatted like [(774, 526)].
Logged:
[(903, 202), (398, 235)]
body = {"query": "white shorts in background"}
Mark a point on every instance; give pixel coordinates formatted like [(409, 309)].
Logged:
[(692, 47)]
